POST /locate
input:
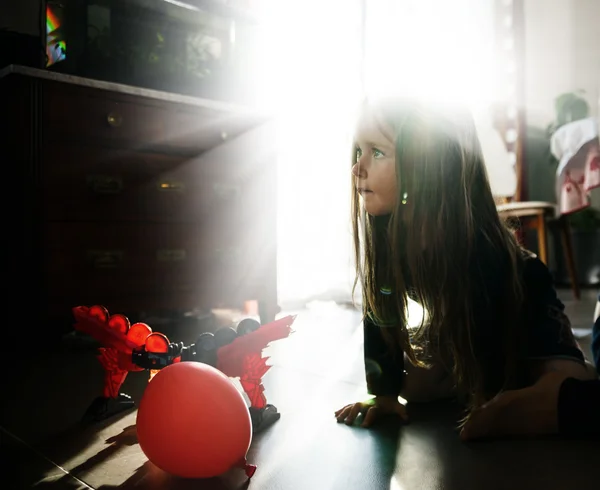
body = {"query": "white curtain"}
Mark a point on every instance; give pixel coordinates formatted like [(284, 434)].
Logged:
[(314, 77)]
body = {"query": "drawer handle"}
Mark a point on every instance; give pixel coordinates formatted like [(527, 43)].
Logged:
[(170, 186), (105, 184), (226, 191), (105, 259), (114, 119), (170, 255)]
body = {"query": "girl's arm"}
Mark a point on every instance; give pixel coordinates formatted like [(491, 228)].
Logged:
[(384, 373), (549, 331), (551, 345), (383, 368)]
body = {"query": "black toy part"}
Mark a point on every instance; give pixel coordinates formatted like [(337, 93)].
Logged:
[(203, 350), (246, 326), (103, 408), (225, 335), (262, 418)]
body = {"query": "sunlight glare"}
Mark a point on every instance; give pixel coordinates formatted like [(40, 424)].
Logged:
[(311, 78), (310, 81), (415, 314), (394, 485), (432, 49)]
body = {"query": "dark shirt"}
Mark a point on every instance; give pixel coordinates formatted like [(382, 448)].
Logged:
[(547, 334), (578, 407), (596, 341), (579, 401)]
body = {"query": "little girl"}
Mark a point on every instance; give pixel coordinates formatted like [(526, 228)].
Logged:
[(426, 227)]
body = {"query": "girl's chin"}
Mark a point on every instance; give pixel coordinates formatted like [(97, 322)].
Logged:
[(374, 208), (376, 211)]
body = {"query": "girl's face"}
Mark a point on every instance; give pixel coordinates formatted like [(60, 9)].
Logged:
[(374, 166)]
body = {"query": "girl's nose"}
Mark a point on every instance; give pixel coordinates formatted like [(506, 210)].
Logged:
[(358, 170)]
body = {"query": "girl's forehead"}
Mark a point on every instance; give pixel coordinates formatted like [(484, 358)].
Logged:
[(371, 127)]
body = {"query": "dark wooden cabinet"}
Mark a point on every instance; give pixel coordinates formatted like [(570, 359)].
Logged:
[(136, 199)]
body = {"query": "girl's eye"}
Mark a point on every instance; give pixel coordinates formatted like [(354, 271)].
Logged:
[(357, 154), (378, 153)]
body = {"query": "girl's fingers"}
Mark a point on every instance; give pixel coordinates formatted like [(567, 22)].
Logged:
[(338, 412), (354, 411), (375, 412), (349, 413), (371, 416), (341, 415)]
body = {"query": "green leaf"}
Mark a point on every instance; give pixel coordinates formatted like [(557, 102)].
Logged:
[(569, 107)]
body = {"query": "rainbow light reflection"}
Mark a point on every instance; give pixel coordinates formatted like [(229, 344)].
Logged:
[(55, 52)]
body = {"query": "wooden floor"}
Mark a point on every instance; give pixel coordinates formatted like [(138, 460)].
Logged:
[(314, 372)]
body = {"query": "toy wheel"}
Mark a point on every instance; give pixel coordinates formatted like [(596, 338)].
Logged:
[(224, 336), (205, 349), (247, 325)]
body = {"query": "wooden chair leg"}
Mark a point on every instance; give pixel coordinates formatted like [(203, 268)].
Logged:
[(565, 235), (542, 239)]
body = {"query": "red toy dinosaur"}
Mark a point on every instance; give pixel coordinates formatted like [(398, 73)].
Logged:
[(136, 347)]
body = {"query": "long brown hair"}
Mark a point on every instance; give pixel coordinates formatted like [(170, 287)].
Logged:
[(444, 246)]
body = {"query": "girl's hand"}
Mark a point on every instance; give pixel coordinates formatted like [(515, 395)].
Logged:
[(372, 410), (528, 411)]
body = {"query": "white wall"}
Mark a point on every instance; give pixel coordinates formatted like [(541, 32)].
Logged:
[(586, 49), (562, 49)]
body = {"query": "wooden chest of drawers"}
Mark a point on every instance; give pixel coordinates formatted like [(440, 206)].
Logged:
[(139, 200)]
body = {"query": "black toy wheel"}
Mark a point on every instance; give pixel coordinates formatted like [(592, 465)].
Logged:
[(224, 336), (205, 349), (246, 326)]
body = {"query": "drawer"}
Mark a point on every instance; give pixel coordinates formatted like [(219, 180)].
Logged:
[(136, 259), (84, 114), (137, 122), (198, 130), (87, 184), (122, 258)]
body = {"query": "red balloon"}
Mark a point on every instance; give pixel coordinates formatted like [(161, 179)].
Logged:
[(193, 422)]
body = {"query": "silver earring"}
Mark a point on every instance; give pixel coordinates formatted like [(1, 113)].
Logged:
[(404, 198)]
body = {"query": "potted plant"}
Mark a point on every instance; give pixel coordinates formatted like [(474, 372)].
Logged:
[(585, 224), (569, 107)]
